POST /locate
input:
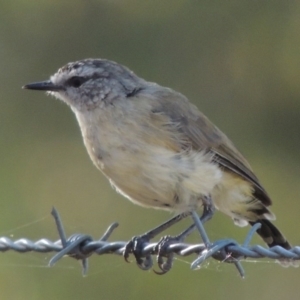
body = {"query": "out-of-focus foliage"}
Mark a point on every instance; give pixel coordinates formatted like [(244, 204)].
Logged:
[(237, 60)]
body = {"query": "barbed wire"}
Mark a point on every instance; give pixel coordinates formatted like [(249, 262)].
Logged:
[(82, 246)]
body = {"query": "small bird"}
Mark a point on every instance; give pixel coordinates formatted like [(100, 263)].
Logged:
[(157, 149)]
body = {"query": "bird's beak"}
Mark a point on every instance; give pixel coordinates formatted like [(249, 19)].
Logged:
[(42, 86)]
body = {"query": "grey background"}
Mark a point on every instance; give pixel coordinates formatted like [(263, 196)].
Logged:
[(237, 60)]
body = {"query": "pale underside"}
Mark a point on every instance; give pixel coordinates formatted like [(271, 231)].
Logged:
[(173, 158)]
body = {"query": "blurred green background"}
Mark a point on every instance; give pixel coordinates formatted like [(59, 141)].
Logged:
[(239, 61)]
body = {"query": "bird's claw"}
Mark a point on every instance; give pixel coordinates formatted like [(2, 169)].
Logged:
[(164, 265), (136, 247), (162, 252)]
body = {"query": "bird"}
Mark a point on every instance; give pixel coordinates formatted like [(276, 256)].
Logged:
[(158, 149)]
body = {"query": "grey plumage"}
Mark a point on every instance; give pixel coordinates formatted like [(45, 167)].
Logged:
[(157, 148)]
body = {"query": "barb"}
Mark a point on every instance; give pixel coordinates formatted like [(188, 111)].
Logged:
[(81, 246)]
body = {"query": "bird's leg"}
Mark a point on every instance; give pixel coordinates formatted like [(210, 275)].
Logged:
[(208, 211), (135, 246)]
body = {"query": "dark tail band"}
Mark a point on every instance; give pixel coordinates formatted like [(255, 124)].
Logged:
[(271, 235)]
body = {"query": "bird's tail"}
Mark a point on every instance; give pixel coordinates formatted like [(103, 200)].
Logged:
[(271, 235)]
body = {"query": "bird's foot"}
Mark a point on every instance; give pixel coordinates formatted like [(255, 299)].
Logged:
[(163, 251), (136, 246)]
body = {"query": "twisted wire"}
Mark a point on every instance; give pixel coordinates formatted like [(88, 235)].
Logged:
[(81, 246)]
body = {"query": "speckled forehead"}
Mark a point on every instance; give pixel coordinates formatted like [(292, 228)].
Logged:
[(76, 69)]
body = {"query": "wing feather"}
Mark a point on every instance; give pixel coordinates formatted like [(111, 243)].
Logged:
[(201, 134)]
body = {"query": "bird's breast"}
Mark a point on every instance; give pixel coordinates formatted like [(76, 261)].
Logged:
[(144, 160), (134, 154)]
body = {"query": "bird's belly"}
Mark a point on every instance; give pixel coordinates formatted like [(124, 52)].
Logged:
[(161, 178), (149, 168), (142, 180)]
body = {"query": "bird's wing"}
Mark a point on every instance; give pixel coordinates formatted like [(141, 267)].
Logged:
[(201, 134)]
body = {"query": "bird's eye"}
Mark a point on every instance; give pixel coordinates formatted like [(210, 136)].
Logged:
[(76, 81)]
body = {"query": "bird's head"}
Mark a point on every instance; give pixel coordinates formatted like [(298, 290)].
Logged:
[(89, 83)]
